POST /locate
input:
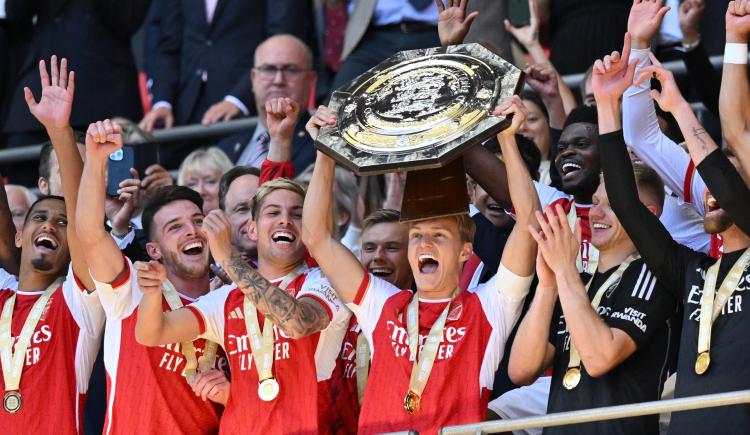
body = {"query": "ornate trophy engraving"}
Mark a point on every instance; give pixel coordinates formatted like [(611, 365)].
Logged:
[(420, 110)]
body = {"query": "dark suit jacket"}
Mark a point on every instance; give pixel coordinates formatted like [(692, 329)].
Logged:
[(95, 37), (303, 149), (223, 50)]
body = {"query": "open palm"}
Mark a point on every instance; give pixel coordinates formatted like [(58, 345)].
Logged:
[(453, 24), (54, 107)]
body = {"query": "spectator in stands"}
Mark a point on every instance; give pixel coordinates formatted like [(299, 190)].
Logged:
[(19, 200), (201, 171), (93, 36), (378, 29), (283, 69), (49, 167)]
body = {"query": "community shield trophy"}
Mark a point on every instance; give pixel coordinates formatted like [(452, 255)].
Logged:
[(418, 111)]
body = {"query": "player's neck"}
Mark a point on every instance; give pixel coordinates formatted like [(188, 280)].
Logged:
[(190, 287), (445, 292), (613, 257), (273, 270), (582, 199), (734, 239), (32, 280)]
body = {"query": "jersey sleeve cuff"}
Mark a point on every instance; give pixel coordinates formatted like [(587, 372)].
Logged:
[(362, 290), (199, 317), (119, 281), (510, 284)]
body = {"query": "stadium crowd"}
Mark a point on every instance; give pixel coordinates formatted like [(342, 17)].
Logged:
[(602, 260)]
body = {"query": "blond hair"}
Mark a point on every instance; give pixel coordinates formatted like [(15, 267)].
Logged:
[(272, 186), (202, 160)]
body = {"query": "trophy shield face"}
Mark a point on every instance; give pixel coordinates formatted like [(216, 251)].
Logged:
[(419, 109)]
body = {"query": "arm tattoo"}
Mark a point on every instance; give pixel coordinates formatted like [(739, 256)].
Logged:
[(698, 132), (296, 318)]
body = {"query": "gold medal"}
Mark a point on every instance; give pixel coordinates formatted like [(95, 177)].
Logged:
[(572, 378), (12, 401), (411, 402), (268, 390), (702, 362)]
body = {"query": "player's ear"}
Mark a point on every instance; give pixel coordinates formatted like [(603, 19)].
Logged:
[(466, 251), (154, 251), (252, 230), (18, 238)]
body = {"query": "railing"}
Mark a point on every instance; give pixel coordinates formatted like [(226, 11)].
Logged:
[(599, 414)]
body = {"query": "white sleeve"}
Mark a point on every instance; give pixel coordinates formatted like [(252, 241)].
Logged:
[(547, 194), (120, 298), (211, 308), (372, 295), (685, 224), (316, 286), (126, 240), (8, 280), (84, 306), (642, 133)]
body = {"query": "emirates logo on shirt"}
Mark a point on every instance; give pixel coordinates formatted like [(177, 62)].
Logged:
[(452, 336), (239, 346), (34, 351)]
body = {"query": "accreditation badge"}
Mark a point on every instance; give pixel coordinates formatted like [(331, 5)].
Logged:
[(268, 390), (12, 401)]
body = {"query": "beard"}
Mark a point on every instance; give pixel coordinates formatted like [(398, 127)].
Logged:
[(717, 222), (42, 264), (190, 271)]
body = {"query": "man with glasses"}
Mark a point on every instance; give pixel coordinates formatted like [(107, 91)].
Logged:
[(283, 69)]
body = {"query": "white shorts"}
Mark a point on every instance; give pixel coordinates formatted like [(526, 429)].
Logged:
[(529, 401)]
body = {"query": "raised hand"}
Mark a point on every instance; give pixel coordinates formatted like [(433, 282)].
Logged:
[(155, 177), (527, 35), (220, 279), (690, 18), (102, 139), (211, 385), (54, 107), (160, 114), (120, 210), (557, 243), (218, 232), (543, 79), (323, 117), (282, 115), (150, 276), (670, 98), (738, 21), (512, 106), (644, 20), (545, 275), (613, 74), (453, 23)]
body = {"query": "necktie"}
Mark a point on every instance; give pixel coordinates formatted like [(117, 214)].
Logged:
[(261, 150), (420, 4)]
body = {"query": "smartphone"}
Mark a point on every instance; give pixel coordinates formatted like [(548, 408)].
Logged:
[(518, 13), (138, 156)]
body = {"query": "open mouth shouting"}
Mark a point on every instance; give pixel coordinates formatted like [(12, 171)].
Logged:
[(381, 271), (570, 168), (283, 238), (45, 242), (427, 263), (193, 248)]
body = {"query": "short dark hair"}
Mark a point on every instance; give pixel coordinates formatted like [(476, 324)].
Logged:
[(163, 196), (42, 198), (530, 153), (228, 178), (536, 99), (45, 154), (648, 180), (382, 216)]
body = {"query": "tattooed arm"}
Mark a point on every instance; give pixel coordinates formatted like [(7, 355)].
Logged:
[(296, 317)]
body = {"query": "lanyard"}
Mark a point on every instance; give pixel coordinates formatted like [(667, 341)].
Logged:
[(192, 364), (712, 303), (573, 373), (424, 360), (363, 365)]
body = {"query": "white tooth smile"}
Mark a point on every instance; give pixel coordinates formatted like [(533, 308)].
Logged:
[(283, 237), (570, 167), (44, 238), (598, 226)]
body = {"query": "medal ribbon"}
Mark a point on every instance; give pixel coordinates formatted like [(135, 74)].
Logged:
[(575, 359), (12, 362), (262, 343), (423, 362), (192, 364), (713, 302), (593, 252), (363, 365)]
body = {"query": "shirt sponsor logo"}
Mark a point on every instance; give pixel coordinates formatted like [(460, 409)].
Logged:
[(173, 360), (240, 345), (732, 306), (400, 340), (34, 351), (633, 316)]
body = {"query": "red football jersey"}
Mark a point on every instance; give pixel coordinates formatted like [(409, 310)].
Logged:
[(344, 409), (298, 364), (472, 346), (146, 391), (58, 360)]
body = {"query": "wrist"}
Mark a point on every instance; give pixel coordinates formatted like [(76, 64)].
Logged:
[(690, 37), (737, 38), (121, 229), (640, 43)]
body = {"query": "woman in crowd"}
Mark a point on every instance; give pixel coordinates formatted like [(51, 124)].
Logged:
[(201, 171)]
